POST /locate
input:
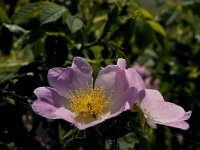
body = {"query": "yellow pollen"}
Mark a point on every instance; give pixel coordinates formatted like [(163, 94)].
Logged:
[(89, 102)]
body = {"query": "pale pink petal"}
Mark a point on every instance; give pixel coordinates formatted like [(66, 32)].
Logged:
[(49, 111), (44, 109), (180, 124), (186, 116), (122, 63), (88, 124), (124, 101), (51, 105), (134, 79), (112, 78), (147, 97), (65, 114), (154, 107), (50, 96), (70, 78), (114, 112)]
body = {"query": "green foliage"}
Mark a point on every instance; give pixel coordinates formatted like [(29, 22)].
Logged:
[(3, 17), (51, 13), (74, 24), (157, 27), (26, 11)]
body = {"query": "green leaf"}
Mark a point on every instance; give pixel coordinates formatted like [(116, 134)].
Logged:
[(71, 133), (14, 28), (28, 10), (74, 24), (51, 13), (157, 27), (145, 13), (3, 17)]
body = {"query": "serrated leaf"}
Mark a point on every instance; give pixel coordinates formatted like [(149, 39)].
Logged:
[(27, 10), (74, 24), (3, 17), (51, 13), (157, 27)]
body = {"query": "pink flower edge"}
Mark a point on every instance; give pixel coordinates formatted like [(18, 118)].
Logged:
[(134, 78)]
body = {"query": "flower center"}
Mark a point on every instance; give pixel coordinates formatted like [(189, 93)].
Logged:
[(89, 102)]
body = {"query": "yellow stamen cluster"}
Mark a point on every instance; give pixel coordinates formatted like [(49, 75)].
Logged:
[(89, 102)]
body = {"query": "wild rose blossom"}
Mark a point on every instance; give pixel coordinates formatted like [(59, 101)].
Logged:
[(152, 104), (73, 97)]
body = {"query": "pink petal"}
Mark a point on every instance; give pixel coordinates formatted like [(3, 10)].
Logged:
[(180, 124), (113, 79), (44, 109), (70, 78), (65, 114), (155, 108), (122, 63), (86, 124), (50, 96), (51, 105), (51, 112), (134, 79), (124, 101), (186, 116)]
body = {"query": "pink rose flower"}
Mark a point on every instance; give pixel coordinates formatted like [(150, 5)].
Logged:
[(73, 97)]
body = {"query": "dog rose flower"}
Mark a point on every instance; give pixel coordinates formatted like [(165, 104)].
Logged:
[(73, 97)]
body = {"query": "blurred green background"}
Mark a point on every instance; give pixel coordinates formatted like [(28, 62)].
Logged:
[(163, 36)]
